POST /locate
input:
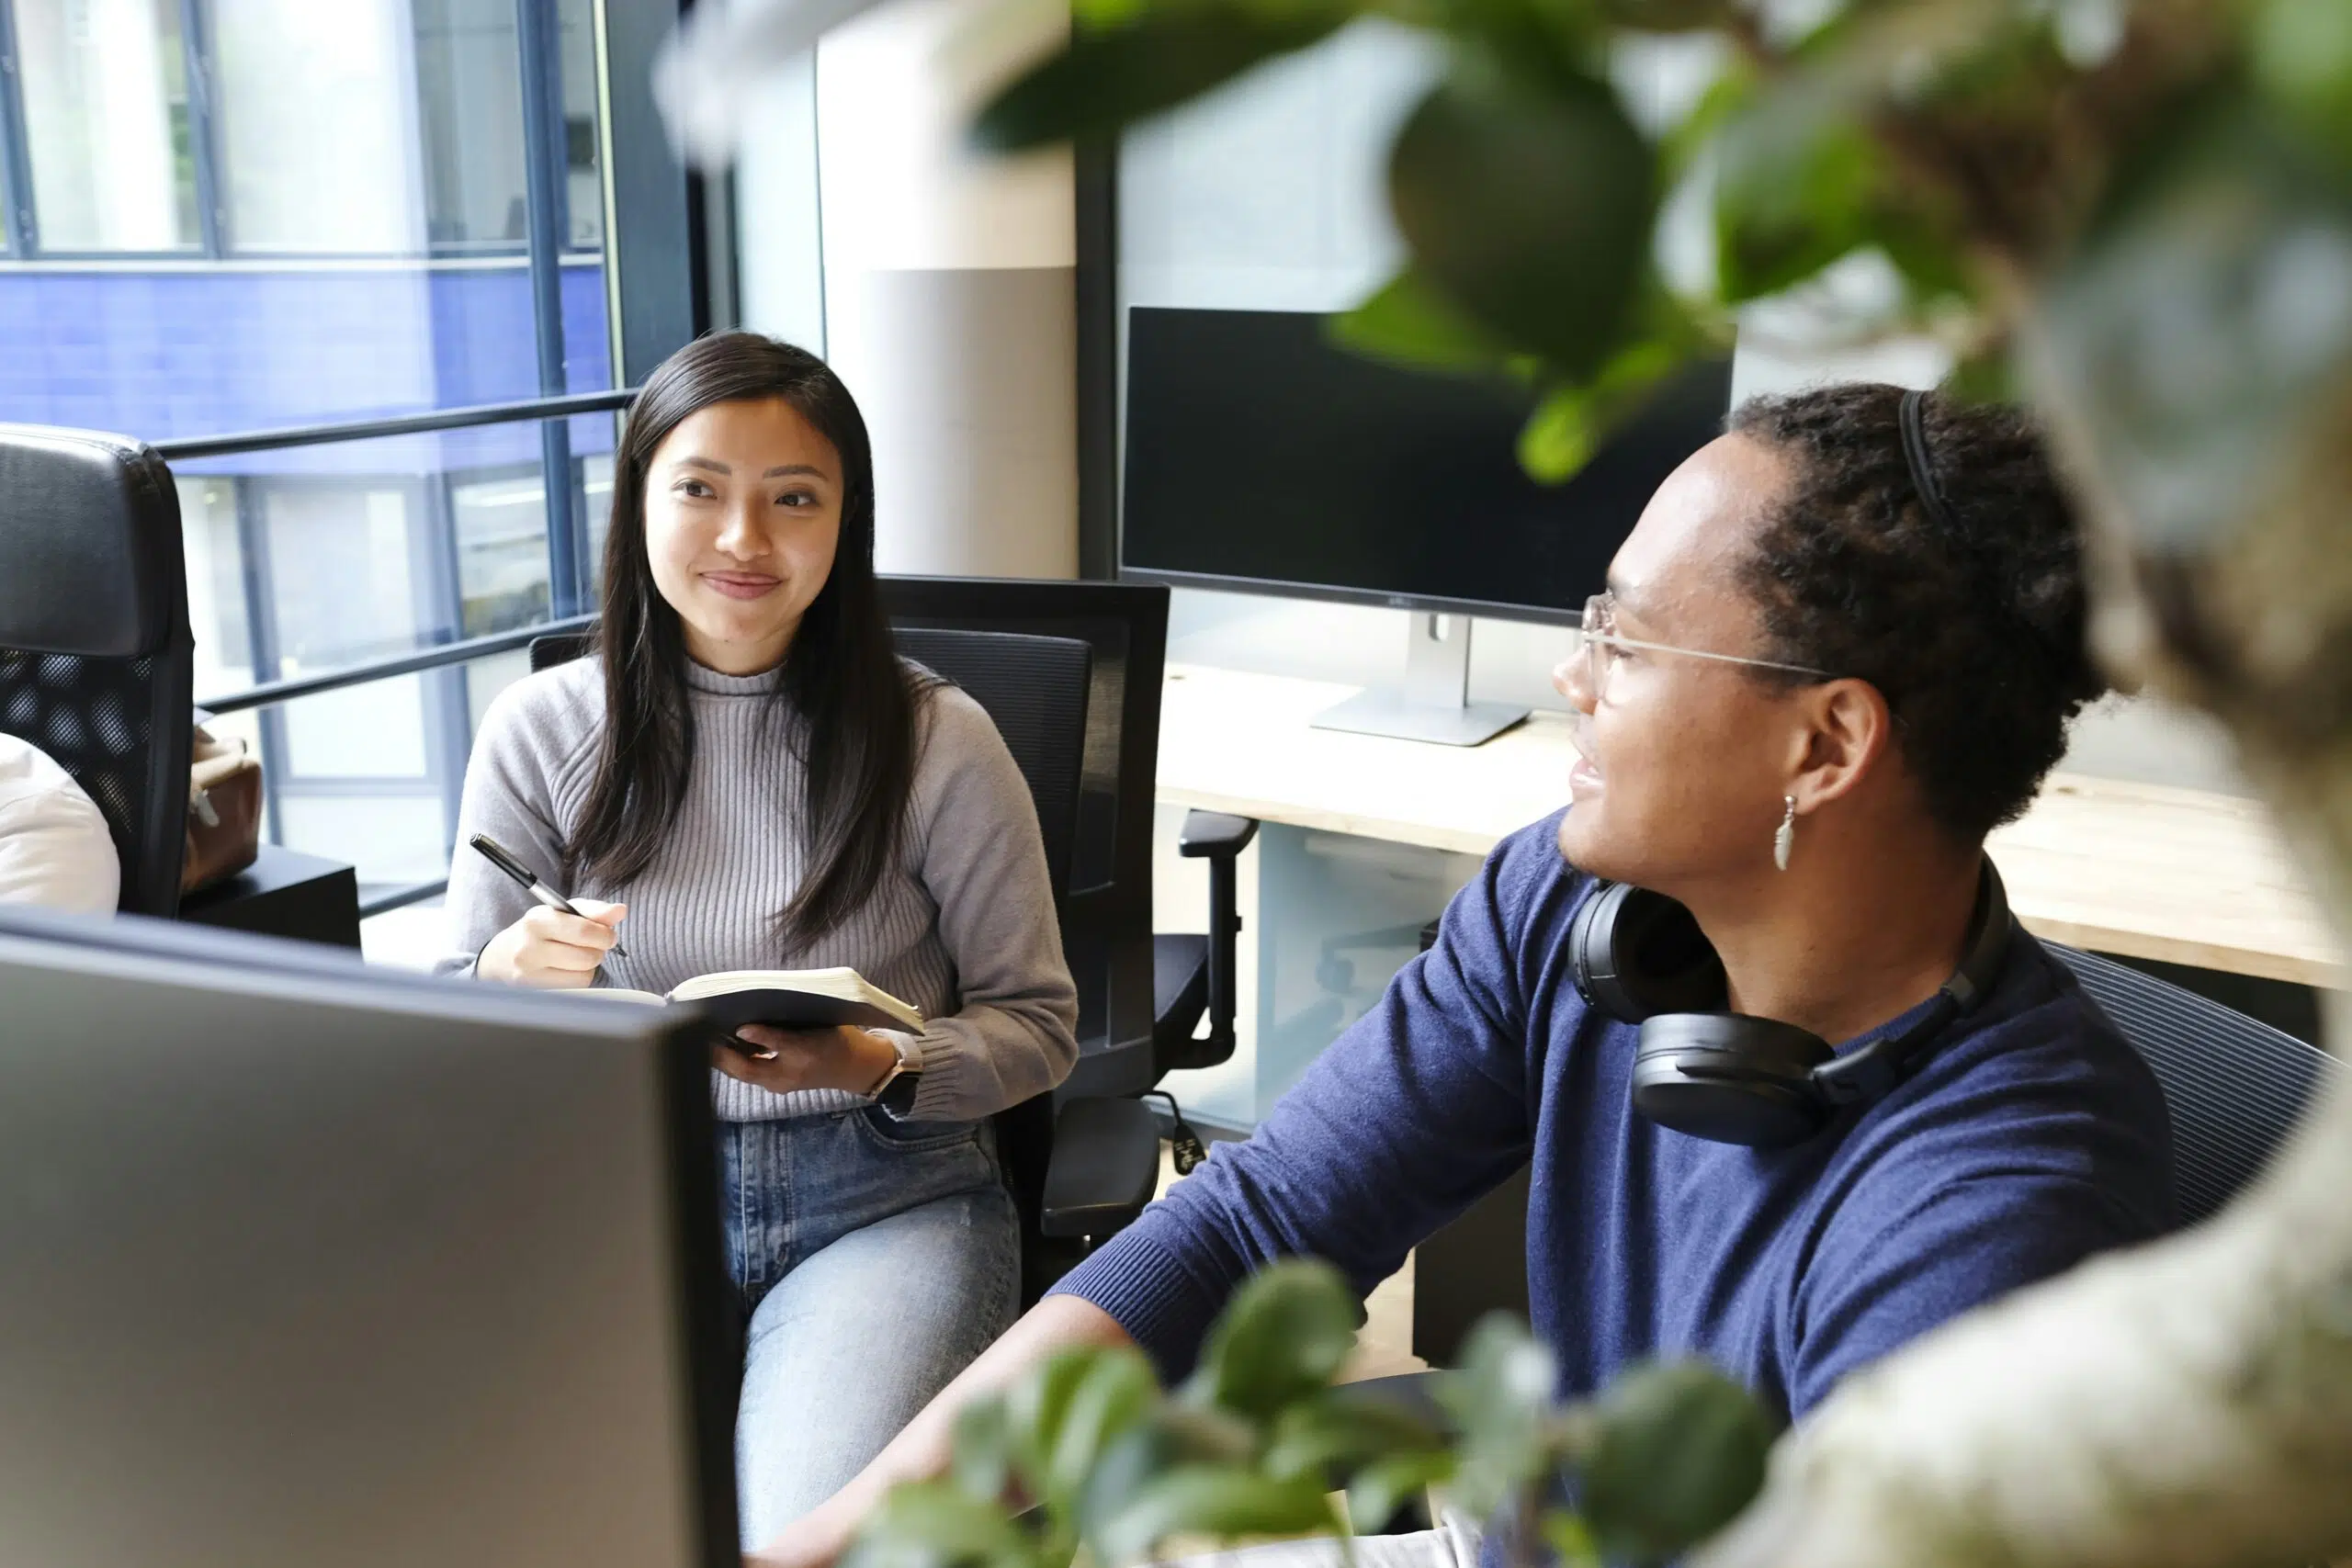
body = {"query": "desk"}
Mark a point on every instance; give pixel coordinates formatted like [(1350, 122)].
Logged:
[(2138, 870), (284, 893)]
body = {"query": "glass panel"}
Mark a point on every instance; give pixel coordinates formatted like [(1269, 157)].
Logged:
[(502, 552), (106, 124), (216, 585), (316, 138), (469, 98), (583, 157)]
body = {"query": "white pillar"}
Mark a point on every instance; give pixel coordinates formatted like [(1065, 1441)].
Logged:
[(949, 287)]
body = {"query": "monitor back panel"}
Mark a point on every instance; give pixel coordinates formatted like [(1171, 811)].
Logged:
[(300, 1269)]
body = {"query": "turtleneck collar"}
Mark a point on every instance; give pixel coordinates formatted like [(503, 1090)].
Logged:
[(701, 678)]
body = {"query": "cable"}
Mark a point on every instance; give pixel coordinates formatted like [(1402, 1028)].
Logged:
[(1182, 1140)]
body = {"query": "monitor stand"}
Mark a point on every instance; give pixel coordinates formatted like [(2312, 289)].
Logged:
[(1435, 703)]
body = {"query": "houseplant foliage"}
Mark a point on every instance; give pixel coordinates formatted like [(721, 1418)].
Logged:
[(2136, 214), (1258, 1442)]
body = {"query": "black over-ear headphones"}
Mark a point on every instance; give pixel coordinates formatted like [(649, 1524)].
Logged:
[(1640, 957)]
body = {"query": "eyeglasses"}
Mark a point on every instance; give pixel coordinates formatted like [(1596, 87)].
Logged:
[(1603, 649)]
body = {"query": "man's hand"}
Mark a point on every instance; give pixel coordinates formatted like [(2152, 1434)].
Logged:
[(816, 1539), (845, 1058)]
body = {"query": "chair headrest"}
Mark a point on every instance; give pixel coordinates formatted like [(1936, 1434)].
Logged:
[(89, 545)]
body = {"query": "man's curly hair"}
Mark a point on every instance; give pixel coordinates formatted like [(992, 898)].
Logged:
[(1974, 633)]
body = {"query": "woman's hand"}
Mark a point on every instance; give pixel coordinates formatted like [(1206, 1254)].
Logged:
[(846, 1058), (551, 950)]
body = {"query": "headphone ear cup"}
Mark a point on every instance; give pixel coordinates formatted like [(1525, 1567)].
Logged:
[(1635, 953), (1731, 1078)]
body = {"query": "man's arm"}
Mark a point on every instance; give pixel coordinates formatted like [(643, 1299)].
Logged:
[(1416, 1110), (921, 1452)]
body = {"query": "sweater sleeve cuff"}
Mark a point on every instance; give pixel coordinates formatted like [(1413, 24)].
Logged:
[(1152, 1295), (945, 1063)]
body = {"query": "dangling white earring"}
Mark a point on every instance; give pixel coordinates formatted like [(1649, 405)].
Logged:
[(1786, 834)]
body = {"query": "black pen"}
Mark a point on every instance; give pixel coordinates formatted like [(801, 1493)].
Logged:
[(528, 880)]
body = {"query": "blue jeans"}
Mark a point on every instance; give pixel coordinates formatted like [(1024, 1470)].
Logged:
[(875, 1260)]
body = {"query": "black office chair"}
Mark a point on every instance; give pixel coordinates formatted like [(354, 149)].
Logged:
[(2235, 1088), (97, 663), (1142, 996)]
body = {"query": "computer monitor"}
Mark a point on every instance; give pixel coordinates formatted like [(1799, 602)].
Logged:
[(302, 1262), (1262, 456)]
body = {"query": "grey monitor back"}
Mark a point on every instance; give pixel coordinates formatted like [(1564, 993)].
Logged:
[(302, 1263)]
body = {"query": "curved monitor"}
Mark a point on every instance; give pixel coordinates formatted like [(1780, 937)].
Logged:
[(1262, 456)]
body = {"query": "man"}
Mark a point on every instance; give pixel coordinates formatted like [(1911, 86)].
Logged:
[(1842, 644)]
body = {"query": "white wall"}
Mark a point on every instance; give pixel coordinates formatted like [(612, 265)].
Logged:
[(945, 293)]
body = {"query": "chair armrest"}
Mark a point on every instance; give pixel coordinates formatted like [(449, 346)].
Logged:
[(1214, 835), (1219, 839), (1103, 1168)]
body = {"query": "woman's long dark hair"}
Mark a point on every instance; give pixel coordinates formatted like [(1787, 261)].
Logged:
[(854, 702)]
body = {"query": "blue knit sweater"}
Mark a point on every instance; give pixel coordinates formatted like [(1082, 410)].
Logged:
[(2032, 1137)]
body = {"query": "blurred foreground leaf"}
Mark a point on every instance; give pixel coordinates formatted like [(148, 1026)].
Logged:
[(1677, 1452), (1109, 77), (1528, 208), (1284, 1337)]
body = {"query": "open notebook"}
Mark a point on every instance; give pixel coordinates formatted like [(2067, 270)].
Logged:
[(785, 998)]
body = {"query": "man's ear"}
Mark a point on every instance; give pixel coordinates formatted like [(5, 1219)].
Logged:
[(1845, 729)]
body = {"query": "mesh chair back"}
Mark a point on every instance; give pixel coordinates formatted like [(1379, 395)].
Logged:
[(560, 648), (2235, 1088), (1036, 688), (97, 665)]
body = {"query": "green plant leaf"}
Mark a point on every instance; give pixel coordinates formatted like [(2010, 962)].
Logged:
[(1501, 1399), (2204, 323), (1409, 322), (1528, 206), (1216, 1502), (1570, 1541), (983, 1448), (1172, 1437), (1108, 77), (1342, 1429), (1571, 422), (1118, 1394), (935, 1524), (1795, 182), (1666, 15), (1285, 1335), (2300, 51), (1036, 1404), (1985, 376), (1386, 1486), (1678, 1451)]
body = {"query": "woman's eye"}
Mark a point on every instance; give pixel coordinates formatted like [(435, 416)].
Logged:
[(795, 498), (693, 487)]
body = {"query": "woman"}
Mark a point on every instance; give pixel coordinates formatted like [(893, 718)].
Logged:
[(1841, 645), (747, 764)]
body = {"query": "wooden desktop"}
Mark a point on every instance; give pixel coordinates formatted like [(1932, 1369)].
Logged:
[(2142, 871)]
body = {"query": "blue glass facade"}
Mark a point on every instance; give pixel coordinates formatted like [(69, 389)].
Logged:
[(209, 348)]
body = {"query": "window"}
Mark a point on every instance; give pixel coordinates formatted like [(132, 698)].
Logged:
[(258, 214), (106, 124)]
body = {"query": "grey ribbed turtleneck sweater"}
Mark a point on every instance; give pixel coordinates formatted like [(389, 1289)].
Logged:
[(963, 928)]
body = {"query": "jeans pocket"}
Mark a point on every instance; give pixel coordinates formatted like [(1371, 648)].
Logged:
[(913, 1137)]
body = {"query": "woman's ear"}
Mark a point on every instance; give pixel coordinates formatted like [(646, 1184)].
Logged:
[(1846, 727)]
